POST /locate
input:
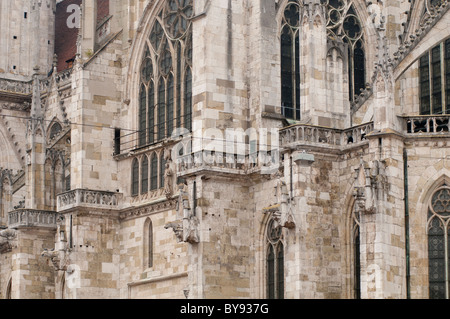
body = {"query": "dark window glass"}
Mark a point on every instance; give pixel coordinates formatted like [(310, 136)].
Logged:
[(166, 73), (162, 168), (447, 76), (154, 173), (150, 244), (280, 271), (270, 273), (275, 262), (436, 80), (170, 106), (135, 178), (424, 77), (344, 24), (357, 265), (142, 116), (438, 243), (290, 62), (188, 100), (144, 176)]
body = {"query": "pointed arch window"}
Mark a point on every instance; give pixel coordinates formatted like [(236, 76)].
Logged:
[(343, 24), (434, 78), (154, 172), (274, 261), (166, 82), (162, 169), (356, 243), (290, 61), (144, 175), (438, 244), (148, 243), (135, 178)]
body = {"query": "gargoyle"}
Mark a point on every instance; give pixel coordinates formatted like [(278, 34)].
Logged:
[(6, 236)]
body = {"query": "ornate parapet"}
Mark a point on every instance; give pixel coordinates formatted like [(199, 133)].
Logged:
[(89, 199), (305, 134), (424, 125), (27, 218), (227, 163)]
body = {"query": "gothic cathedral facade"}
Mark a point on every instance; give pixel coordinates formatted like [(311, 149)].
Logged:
[(204, 149)]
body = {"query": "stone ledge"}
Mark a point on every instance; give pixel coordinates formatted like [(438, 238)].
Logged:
[(30, 218), (89, 199)]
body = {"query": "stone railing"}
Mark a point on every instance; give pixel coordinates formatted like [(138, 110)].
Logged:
[(88, 198), (427, 124), (324, 136), (264, 161), (32, 218)]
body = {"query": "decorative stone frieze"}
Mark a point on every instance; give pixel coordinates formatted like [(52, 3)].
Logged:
[(89, 199), (151, 208), (26, 218)]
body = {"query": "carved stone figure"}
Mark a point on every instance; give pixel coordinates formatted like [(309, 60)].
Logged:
[(168, 181), (6, 237)]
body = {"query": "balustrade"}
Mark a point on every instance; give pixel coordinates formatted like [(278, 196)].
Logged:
[(88, 198), (32, 218)]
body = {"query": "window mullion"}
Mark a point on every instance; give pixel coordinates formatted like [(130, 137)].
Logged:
[(430, 79), (447, 292), (443, 78)]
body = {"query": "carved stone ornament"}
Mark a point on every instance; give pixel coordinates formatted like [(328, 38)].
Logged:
[(6, 238), (282, 213), (59, 256), (371, 186), (186, 230), (177, 228)]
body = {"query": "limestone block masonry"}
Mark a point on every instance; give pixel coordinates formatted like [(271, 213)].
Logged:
[(224, 149)]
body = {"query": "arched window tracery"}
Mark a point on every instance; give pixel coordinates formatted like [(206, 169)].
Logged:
[(290, 61), (343, 24), (356, 244), (166, 81), (434, 80), (274, 261), (438, 244)]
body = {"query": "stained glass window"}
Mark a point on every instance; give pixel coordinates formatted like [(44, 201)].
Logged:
[(166, 89), (434, 80), (290, 62), (356, 256), (343, 23), (275, 262), (438, 244)]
